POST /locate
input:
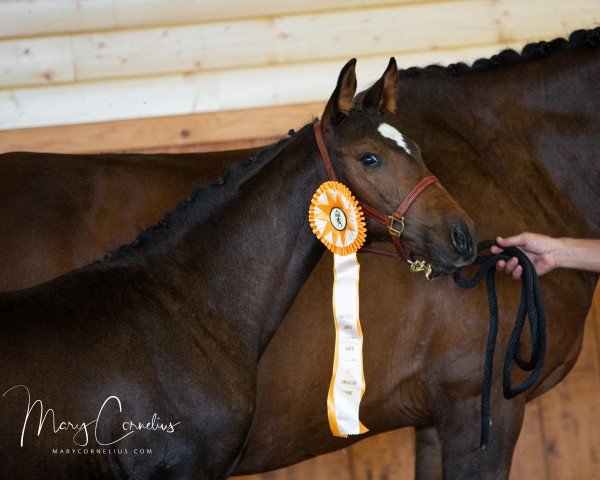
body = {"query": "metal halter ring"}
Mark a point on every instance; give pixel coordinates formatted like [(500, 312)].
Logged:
[(396, 232), (420, 266)]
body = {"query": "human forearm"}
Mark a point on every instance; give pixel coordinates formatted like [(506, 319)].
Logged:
[(581, 254)]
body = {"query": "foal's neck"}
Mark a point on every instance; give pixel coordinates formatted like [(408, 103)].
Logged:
[(246, 262)]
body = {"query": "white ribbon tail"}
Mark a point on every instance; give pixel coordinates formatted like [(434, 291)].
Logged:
[(347, 382)]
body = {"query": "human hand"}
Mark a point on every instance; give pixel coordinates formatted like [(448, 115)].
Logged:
[(540, 249)]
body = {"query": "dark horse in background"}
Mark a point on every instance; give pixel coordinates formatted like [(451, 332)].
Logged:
[(514, 138), (158, 346)]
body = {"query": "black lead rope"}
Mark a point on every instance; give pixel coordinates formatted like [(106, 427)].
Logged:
[(530, 307)]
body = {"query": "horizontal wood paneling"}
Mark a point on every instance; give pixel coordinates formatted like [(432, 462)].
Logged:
[(287, 39), (198, 93), (36, 62), (232, 54), (20, 18)]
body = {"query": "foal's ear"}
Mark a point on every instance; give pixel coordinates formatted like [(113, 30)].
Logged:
[(382, 95), (342, 99)]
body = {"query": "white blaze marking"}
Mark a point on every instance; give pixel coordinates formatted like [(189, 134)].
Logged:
[(390, 132)]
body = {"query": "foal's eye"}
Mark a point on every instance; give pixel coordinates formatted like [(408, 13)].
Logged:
[(370, 160)]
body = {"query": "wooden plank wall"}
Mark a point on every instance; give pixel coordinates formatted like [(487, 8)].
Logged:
[(81, 61)]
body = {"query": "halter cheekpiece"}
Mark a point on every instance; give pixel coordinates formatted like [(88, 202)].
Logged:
[(394, 222)]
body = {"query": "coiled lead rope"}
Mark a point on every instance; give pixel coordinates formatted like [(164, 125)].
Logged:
[(530, 307)]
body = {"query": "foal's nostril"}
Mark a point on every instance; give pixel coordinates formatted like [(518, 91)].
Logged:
[(461, 239)]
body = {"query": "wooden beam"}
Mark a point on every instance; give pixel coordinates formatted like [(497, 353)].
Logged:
[(164, 133)]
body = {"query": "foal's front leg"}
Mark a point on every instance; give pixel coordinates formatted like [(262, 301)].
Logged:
[(429, 454), (458, 428)]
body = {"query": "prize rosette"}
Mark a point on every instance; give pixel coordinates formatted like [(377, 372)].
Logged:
[(336, 218)]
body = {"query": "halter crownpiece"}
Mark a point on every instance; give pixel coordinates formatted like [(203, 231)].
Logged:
[(394, 222)]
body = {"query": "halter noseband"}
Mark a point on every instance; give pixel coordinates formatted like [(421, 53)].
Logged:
[(394, 222)]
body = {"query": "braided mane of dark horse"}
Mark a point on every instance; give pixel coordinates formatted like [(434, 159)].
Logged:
[(538, 50)]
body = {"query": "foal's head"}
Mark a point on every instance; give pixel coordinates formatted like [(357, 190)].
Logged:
[(381, 166)]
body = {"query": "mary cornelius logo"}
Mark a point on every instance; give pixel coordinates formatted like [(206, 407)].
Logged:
[(40, 419)]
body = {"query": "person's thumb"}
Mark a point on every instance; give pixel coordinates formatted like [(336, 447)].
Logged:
[(514, 241)]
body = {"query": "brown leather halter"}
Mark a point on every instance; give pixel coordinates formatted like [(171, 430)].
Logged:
[(394, 222)]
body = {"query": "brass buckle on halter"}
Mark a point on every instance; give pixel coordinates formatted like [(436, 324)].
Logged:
[(421, 266), (396, 232)]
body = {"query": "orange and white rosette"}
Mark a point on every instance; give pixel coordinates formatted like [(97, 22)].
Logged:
[(337, 220)]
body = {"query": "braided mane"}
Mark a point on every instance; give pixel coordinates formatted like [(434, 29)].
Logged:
[(579, 39)]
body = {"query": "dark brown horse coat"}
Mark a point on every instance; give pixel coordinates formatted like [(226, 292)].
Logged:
[(61, 212), (517, 144), (158, 346)]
